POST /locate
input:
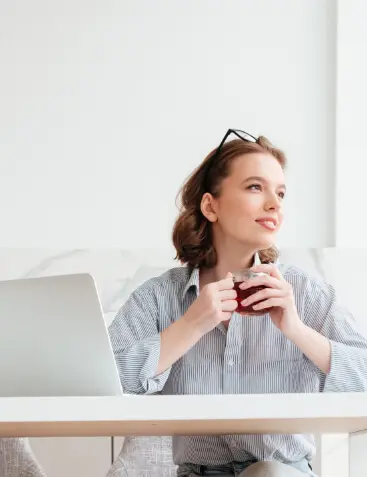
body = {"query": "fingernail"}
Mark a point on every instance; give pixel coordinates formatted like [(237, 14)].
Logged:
[(244, 302)]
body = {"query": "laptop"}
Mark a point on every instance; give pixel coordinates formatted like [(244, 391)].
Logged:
[(53, 339)]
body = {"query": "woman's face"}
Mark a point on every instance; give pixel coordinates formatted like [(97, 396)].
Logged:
[(249, 208)]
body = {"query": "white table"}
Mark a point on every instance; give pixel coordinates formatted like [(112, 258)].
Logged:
[(340, 414), (183, 415)]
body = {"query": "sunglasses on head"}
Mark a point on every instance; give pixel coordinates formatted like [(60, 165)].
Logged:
[(237, 132)]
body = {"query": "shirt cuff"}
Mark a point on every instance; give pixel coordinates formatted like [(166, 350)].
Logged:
[(151, 348), (347, 369)]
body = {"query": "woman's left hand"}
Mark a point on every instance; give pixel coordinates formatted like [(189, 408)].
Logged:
[(278, 295)]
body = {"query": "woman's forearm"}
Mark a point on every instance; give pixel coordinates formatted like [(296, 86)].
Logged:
[(176, 340), (315, 346)]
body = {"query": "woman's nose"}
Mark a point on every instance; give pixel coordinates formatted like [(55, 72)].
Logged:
[(273, 203)]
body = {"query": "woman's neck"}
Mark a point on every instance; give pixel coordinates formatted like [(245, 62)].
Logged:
[(229, 260), (232, 264)]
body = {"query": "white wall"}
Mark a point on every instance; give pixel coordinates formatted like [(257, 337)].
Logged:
[(351, 153), (107, 106), (351, 145)]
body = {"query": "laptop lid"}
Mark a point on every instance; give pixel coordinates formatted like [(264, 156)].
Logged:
[(53, 339)]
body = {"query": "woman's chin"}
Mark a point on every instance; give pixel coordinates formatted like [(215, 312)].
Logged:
[(263, 243), (258, 241)]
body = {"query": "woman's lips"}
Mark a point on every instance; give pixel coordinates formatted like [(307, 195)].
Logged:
[(268, 224)]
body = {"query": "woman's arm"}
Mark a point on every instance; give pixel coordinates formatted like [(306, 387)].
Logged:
[(144, 352), (136, 343), (315, 346), (324, 331), (348, 347)]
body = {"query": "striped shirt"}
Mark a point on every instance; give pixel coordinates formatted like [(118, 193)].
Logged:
[(252, 356)]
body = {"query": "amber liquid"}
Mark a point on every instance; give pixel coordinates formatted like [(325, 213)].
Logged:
[(242, 295)]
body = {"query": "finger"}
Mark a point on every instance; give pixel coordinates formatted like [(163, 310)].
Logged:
[(261, 295), (226, 283), (272, 302), (229, 305), (269, 268), (226, 315), (266, 280), (227, 294)]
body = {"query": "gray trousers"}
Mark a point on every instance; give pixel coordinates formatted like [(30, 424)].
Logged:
[(272, 469), (258, 469)]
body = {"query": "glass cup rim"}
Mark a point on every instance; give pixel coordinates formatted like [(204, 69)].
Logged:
[(246, 274)]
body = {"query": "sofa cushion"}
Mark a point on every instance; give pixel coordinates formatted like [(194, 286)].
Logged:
[(143, 456)]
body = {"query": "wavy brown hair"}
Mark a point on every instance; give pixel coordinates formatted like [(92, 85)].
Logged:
[(192, 232)]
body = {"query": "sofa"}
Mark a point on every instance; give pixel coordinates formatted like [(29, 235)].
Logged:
[(18, 460)]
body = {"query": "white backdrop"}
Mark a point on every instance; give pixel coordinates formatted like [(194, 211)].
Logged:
[(107, 106), (351, 226)]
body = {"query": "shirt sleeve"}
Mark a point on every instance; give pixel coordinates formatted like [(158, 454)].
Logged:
[(136, 343), (348, 369)]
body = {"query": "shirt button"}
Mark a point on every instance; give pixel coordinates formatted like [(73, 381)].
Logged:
[(230, 362)]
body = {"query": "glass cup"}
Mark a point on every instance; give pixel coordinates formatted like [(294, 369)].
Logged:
[(240, 277)]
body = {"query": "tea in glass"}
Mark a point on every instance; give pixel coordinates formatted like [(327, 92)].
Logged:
[(240, 277)]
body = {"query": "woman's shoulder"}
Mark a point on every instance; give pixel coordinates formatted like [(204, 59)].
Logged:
[(308, 282), (172, 279)]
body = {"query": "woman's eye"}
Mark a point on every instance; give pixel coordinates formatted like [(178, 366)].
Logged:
[(254, 187), (259, 187)]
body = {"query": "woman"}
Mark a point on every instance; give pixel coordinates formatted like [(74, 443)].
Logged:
[(179, 334)]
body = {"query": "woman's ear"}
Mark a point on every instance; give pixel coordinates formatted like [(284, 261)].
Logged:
[(207, 207)]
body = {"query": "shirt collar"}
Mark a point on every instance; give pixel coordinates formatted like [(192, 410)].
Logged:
[(193, 281)]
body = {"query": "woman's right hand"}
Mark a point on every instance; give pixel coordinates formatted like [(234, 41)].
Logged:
[(215, 303)]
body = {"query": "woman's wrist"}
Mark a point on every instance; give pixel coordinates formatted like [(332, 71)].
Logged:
[(312, 344), (198, 325), (294, 330)]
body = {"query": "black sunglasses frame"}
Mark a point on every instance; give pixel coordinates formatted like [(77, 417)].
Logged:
[(236, 132)]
